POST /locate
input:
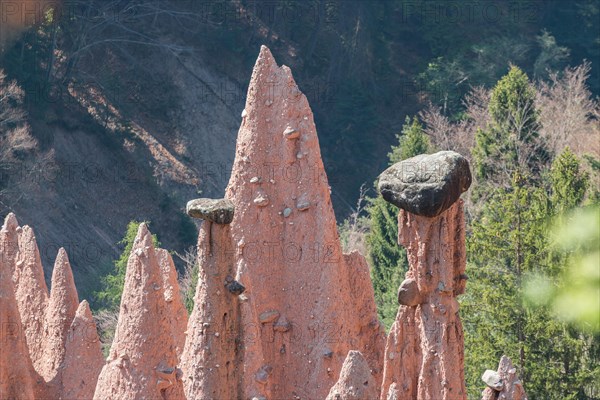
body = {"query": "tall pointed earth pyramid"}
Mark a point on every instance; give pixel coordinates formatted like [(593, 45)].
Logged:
[(142, 363), (300, 312), (83, 359), (17, 376), (31, 293), (59, 315)]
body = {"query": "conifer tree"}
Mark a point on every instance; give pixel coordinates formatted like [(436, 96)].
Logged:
[(510, 143), (569, 182), (508, 243)]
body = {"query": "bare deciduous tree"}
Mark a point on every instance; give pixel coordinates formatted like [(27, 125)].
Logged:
[(106, 321), (458, 136), (15, 135), (443, 133), (569, 116), (186, 279), (476, 104), (353, 232), (566, 113)]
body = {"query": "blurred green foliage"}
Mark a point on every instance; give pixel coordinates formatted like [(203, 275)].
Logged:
[(576, 299)]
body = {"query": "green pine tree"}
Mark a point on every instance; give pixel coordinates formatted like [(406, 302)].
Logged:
[(387, 258), (574, 351), (569, 181), (507, 245), (509, 142), (411, 142)]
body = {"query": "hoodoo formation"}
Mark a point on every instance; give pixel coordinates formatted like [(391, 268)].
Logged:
[(424, 356), (31, 293), (503, 384), (32, 319), (211, 362), (279, 312)]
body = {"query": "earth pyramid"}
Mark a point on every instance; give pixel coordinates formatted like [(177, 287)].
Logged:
[(302, 310), (143, 357), (280, 312), (424, 356)]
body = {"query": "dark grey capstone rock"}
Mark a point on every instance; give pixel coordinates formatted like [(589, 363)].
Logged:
[(219, 211), (426, 185), (408, 293)]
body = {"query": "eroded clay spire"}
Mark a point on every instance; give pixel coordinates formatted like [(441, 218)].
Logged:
[(356, 381), (9, 242), (83, 358), (10, 223), (302, 315), (176, 308), (424, 356), (503, 384), (211, 363), (17, 375), (143, 359), (31, 294), (61, 310)]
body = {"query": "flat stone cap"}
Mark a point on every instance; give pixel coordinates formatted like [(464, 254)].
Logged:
[(427, 184), (493, 380), (219, 211)]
